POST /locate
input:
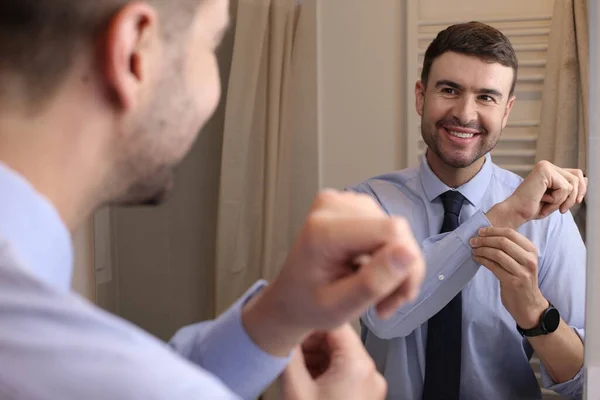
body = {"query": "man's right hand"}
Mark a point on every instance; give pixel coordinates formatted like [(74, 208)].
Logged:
[(320, 288), (332, 366), (546, 189)]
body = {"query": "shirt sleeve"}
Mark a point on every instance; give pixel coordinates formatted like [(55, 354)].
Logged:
[(55, 345), (223, 348), (562, 282), (449, 268)]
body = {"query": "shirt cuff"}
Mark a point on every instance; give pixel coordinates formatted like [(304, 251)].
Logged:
[(572, 388), (471, 227), (449, 268), (228, 352)]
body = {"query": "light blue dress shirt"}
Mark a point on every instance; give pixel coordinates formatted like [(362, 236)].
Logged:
[(55, 345), (495, 358)]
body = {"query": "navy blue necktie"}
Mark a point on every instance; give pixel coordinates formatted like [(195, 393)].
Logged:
[(444, 330)]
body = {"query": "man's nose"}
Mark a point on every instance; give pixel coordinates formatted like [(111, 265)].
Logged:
[(465, 110)]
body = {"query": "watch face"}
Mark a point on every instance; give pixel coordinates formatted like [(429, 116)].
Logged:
[(551, 319)]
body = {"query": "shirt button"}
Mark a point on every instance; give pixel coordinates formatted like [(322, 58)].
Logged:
[(441, 277)]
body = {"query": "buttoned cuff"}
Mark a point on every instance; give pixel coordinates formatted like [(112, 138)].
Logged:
[(228, 352), (572, 388), (449, 268)]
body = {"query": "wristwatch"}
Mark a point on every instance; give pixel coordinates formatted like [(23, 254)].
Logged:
[(549, 322)]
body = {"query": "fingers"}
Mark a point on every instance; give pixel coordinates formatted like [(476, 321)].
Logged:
[(352, 370), (555, 186), (378, 387), (344, 338), (396, 265), (501, 274), (508, 249), (347, 236), (499, 257), (518, 241), (317, 353), (566, 187), (347, 203), (558, 186), (296, 382), (573, 196), (316, 341), (388, 306), (485, 247), (317, 362), (582, 183), (548, 188), (547, 197)]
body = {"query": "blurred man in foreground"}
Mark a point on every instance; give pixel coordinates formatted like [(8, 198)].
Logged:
[(99, 101)]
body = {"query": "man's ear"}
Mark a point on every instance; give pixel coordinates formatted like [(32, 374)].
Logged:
[(509, 105), (419, 97), (128, 52)]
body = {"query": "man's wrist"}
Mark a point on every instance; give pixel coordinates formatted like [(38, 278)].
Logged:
[(533, 317), (504, 215), (267, 324)]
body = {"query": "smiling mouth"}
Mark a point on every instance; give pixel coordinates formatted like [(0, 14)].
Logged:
[(460, 135)]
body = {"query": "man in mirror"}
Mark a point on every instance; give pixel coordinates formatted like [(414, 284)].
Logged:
[(505, 272)]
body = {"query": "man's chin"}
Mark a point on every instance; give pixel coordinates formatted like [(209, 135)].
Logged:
[(155, 200), (144, 196), (460, 164), (459, 161), (148, 201)]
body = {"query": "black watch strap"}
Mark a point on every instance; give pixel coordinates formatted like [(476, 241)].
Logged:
[(549, 321), (537, 331)]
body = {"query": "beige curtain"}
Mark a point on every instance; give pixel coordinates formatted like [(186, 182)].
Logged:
[(565, 98), (254, 217)]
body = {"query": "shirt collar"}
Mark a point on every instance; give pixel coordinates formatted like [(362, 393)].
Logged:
[(32, 227), (473, 190)]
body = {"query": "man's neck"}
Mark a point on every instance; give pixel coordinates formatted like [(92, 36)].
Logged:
[(57, 163), (453, 177)]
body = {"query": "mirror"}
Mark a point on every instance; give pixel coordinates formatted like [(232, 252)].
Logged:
[(351, 116), (546, 98)]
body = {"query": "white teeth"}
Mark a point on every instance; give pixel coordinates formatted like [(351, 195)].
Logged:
[(461, 134)]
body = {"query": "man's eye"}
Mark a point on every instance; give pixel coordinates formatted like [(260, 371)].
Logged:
[(449, 91), (486, 98)]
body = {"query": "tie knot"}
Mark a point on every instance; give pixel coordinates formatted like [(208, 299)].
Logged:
[(452, 201)]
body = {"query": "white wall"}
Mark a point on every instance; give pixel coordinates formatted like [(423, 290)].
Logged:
[(83, 268), (361, 46)]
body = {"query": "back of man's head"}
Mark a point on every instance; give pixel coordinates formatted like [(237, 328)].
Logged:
[(39, 39), (108, 93), (472, 39)]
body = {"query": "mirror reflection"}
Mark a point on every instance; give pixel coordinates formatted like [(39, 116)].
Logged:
[(356, 96), (496, 101)]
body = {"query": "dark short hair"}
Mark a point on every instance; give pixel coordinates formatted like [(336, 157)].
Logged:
[(473, 39), (39, 39)]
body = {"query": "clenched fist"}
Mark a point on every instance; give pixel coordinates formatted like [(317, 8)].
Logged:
[(547, 188), (320, 287)]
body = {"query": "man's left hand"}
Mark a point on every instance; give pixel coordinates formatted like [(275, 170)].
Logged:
[(513, 259)]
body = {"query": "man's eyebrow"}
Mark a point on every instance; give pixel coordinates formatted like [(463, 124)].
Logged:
[(491, 92), (446, 82), (452, 84)]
